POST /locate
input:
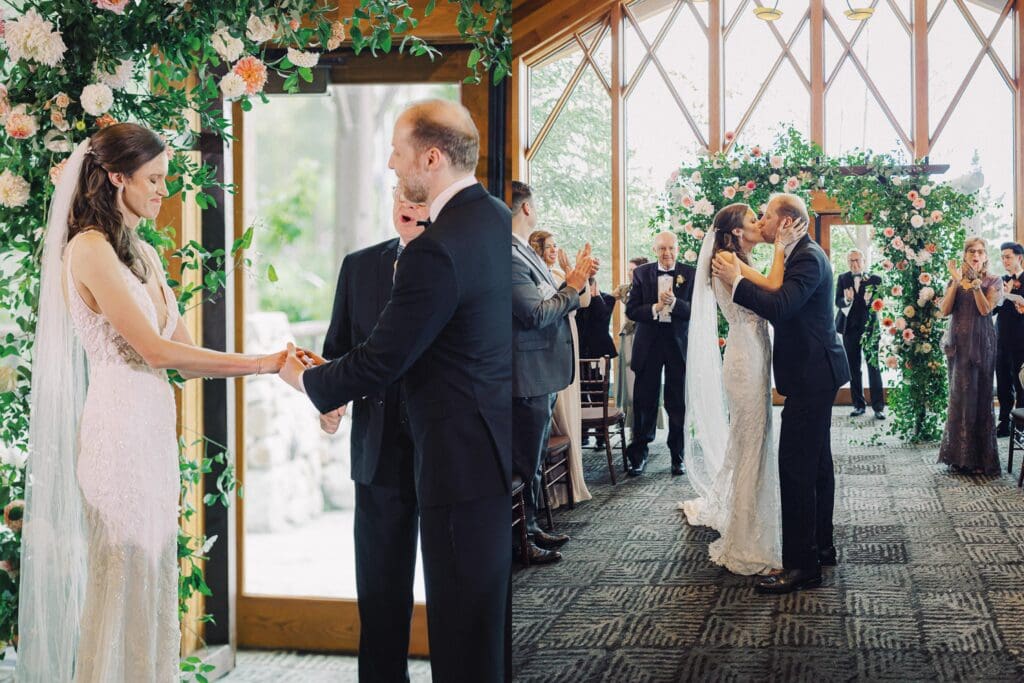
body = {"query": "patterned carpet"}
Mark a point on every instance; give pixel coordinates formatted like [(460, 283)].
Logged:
[(930, 583)]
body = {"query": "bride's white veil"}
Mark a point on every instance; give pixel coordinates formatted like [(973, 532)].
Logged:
[(53, 548), (707, 424)]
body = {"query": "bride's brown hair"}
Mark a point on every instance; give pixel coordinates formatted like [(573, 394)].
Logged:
[(726, 220), (121, 148)]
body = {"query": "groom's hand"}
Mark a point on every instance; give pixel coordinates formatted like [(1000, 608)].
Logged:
[(329, 422), (726, 270), (293, 368)]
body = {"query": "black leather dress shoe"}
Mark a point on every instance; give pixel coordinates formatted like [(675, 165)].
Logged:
[(788, 581), (678, 470), (638, 469), (1003, 430), (879, 415), (857, 412), (541, 556), (828, 557), (548, 541)]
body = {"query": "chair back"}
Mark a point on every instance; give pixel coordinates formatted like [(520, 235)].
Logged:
[(594, 382)]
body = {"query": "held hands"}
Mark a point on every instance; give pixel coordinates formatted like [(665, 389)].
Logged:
[(296, 361), (791, 233)]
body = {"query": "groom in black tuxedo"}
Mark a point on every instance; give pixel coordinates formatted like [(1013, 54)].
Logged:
[(446, 333), (659, 304), (854, 291), (386, 514), (810, 366)]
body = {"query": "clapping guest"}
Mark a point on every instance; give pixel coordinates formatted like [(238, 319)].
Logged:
[(1010, 337), (567, 417), (969, 439)]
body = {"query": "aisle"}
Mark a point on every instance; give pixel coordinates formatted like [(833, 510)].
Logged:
[(930, 584)]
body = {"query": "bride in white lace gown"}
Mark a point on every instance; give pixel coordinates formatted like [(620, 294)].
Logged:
[(99, 594), (731, 452)]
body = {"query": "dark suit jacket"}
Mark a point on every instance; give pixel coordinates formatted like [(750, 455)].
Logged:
[(1010, 323), (856, 318), (446, 333), (364, 288), (593, 324), (643, 295), (543, 360), (808, 357)]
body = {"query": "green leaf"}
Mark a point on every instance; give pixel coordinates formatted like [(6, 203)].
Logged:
[(474, 58), (271, 273), (306, 73)]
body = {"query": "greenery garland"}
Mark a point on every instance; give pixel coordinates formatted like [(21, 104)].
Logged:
[(918, 226), (68, 69)]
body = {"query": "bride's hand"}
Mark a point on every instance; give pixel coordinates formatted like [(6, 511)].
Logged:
[(726, 256), (272, 363), (792, 233)]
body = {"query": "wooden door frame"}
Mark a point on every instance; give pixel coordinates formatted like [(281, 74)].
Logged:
[(312, 623)]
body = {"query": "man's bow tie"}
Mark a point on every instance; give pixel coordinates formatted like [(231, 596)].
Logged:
[(666, 272), (424, 224)]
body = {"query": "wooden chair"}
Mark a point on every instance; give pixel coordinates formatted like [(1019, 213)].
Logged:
[(519, 519), (554, 469), (1016, 441), (600, 417)]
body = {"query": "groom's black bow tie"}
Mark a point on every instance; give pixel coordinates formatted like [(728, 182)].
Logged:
[(424, 224)]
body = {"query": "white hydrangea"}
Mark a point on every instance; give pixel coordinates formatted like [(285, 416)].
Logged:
[(260, 30), (695, 178), (8, 379), (301, 58), (227, 46), (703, 207), (12, 457), (690, 255), (30, 37), (774, 179), (926, 190), (232, 85), (13, 190), (56, 142), (96, 99), (118, 80)]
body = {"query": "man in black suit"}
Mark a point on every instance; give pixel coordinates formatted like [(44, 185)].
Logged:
[(1010, 337), (810, 366), (659, 304), (854, 292), (386, 515), (543, 362), (446, 334)]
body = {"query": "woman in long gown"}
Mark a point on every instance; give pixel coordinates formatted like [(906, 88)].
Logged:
[(969, 438), (99, 599), (623, 373), (567, 417), (734, 461)]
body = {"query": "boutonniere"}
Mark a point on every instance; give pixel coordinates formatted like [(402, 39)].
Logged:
[(680, 280)]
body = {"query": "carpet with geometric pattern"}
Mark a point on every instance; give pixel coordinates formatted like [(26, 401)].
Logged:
[(930, 582)]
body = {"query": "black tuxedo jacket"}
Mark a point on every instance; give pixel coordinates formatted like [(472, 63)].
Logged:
[(594, 324), (807, 355), (1010, 323), (857, 317), (446, 332), (364, 289), (643, 295)]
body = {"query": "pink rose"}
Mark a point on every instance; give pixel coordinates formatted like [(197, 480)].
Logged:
[(698, 234), (936, 216), (688, 202), (897, 290), (751, 185), (892, 362), (775, 162), (919, 203), (924, 278), (897, 243), (115, 6), (729, 137), (792, 183), (889, 232), (756, 151), (912, 195), (908, 335), (729, 192), (887, 264), (901, 324)]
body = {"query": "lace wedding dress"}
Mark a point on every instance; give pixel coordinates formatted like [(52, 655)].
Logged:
[(738, 481), (128, 476)]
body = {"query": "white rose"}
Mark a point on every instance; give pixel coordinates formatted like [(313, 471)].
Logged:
[(14, 190), (695, 178), (734, 164), (896, 181), (926, 347), (774, 179), (916, 220), (12, 457), (96, 99), (227, 46), (121, 77), (260, 30), (690, 255), (775, 162), (926, 190), (232, 85), (301, 58), (55, 142), (32, 38)]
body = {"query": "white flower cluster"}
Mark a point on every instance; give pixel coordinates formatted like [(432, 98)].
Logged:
[(96, 99), (118, 80), (301, 58), (30, 37), (232, 85), (260, 30), (13, 190), (227, 46)]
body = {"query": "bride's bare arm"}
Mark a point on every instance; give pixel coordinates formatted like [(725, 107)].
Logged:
[(95, 267), (773, 281)]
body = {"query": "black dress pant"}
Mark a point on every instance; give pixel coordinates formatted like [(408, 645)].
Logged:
[(663, 355), (807, 479), (854, 351), (531, 416), (1008, 386), (386, 520), (467, 564)]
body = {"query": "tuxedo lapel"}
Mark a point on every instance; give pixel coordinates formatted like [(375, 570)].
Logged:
[(386, 273)]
